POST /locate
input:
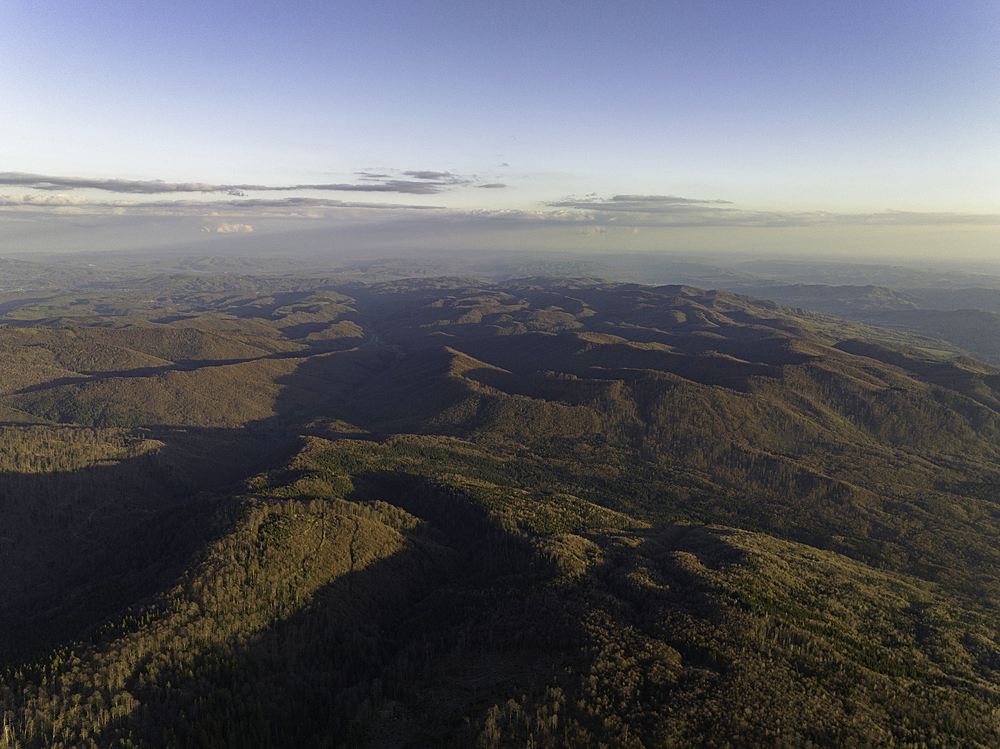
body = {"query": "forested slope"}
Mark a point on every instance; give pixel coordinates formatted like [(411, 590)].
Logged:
[(442, 512)]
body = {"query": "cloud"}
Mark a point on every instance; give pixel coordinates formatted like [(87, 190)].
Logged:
[(657, 210), (630, 212), (402, 185), (255, 203), (515, 214), (634, 203), (293, 207), (665, 210), (231, 229), (442, 177), (425, 183), (420, 180), (621, 212), (912, 218), (42, 200), (42, 182)]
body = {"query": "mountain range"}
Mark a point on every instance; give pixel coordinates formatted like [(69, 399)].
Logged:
[(305, 509)]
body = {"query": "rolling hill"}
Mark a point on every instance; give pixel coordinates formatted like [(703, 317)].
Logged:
[(246, 511)]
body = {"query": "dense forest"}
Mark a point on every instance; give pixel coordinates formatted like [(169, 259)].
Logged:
[(296, 510)]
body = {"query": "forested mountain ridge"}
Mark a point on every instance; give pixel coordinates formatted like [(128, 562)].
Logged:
[(288, 512), (968, 318)]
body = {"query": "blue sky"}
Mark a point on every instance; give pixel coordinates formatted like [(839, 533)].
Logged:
[(802, 126)]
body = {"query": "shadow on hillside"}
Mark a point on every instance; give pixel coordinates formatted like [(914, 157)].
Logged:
[(710, 545), (181, 365), (78, 545), (440, 609), (257, 308), (681, 555), (421, 643), (326, 384), (14, 304), (650, 580)]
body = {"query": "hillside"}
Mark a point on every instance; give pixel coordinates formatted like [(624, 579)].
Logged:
[(243, 511), (967, 318)]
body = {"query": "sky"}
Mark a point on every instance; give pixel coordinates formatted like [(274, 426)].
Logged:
[(848, 128)]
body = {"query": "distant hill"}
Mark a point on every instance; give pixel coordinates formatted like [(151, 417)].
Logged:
[(966, 318)]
